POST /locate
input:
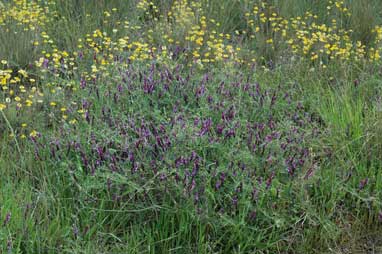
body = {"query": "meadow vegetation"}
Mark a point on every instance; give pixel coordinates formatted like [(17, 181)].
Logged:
[(211, 126)]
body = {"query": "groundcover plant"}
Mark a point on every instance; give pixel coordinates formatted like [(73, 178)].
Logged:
[(209, 126)]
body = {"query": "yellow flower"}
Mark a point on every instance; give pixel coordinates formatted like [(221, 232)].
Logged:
[(33, 134), (23, 73), (28, 103), (3, 81), (2, 107)]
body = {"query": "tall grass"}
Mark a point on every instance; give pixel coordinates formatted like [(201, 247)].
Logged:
[(16, 45)]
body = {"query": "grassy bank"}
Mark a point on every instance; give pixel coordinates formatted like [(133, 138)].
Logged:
[(190, 126)]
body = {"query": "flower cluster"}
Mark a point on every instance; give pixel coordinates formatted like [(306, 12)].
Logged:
[(308, 37), (234, 138)]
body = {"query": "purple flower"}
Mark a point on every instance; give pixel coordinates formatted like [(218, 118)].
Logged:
[(45, 63), (230, 133), (148, 86), (268, 138), (196, 121), (162, 176), (206, 126), (235, 200), (83, 83), (219, 129), (7, 219), (200, 91), (218, 184), (9, 245)]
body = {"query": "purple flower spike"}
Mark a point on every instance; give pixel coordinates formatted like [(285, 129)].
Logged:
[(206, 126), (218, 185), (235, 200), (7, 219), (83, 83)]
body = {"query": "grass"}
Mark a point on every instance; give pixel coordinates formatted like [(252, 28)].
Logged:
[(129, 129)]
